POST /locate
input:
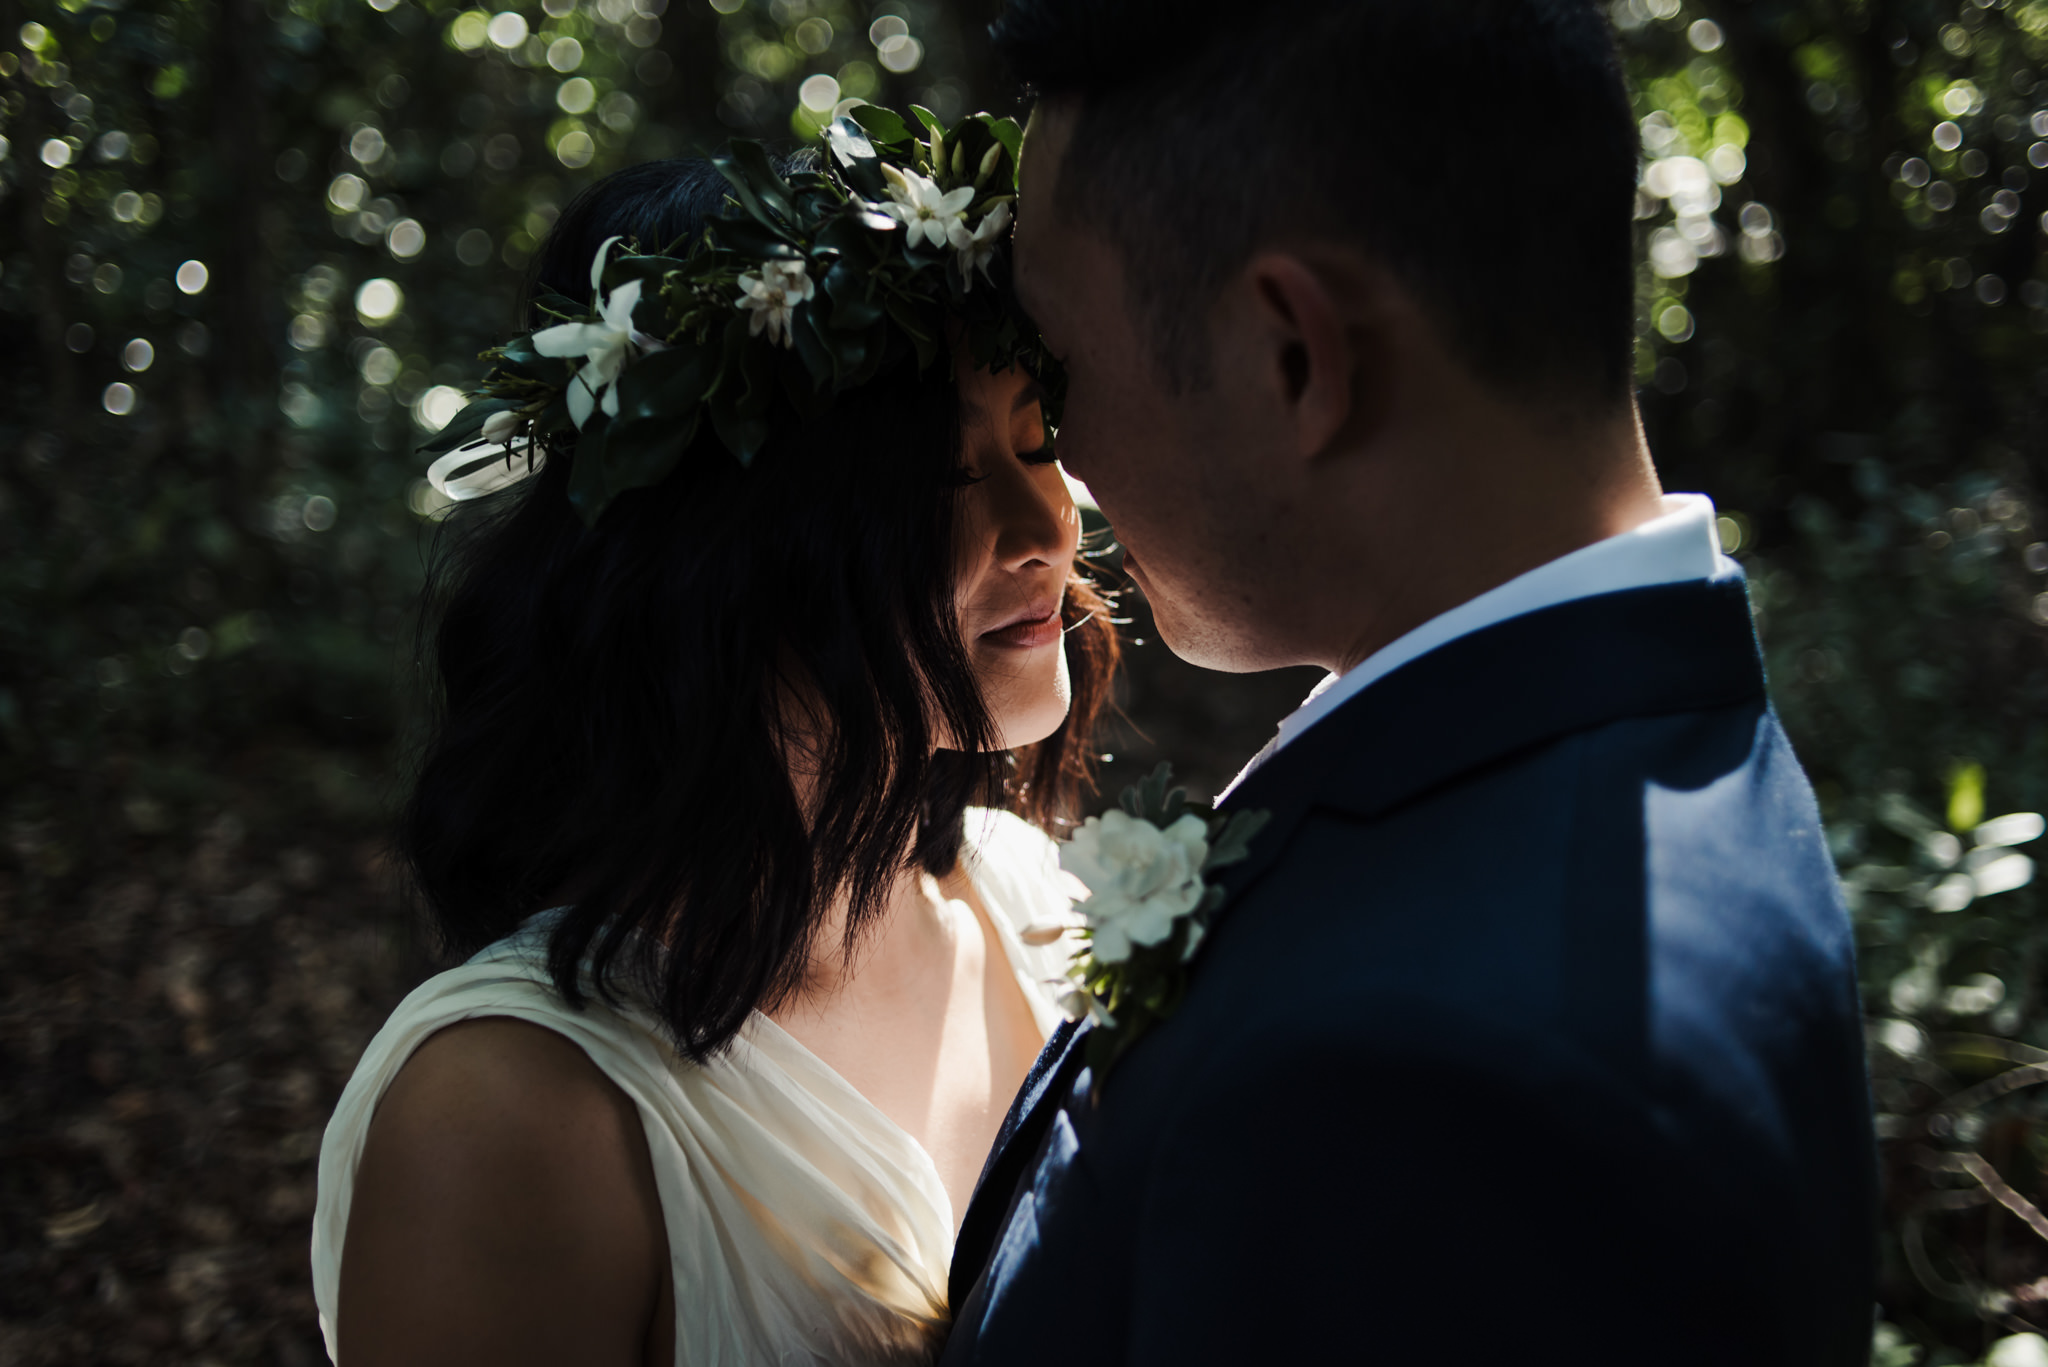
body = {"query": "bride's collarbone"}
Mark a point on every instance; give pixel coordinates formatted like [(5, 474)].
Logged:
[(927, 1023)]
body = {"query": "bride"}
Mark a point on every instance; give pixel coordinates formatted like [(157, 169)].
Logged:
[(753, 705)]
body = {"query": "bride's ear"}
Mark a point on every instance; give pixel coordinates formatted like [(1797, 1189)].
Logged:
[(1317, 324)]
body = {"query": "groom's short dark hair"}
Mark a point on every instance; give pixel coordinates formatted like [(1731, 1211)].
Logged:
[(1484, 149)]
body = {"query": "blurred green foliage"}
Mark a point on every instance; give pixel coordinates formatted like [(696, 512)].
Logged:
[(249, 248), (1845, 341)]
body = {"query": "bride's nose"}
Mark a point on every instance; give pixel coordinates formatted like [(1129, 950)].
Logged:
[(1034, 524)]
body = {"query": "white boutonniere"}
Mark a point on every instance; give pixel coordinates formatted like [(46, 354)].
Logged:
[(1145, 866)]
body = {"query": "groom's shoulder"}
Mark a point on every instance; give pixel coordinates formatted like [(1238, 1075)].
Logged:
[(1647, 835), (1647, 903)]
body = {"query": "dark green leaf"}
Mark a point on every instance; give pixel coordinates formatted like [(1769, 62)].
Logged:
[(648, 267), (554, 419), (1233, 843), (742, 436), (640, 454), (930, 120), (883, 125), (854, 304), (562, 308), (746, 167), (1011, 136), (519, 357), (849, 142), (666, 386), (1156, 797), (754, 239), (862, 239), (817, 357), (849, 355), (920, 336)]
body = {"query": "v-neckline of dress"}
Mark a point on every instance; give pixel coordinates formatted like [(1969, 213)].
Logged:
[(759, 1021)]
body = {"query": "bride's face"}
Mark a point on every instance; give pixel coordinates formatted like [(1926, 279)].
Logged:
[(1018, 532)]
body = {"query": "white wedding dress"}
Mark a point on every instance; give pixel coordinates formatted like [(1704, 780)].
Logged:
[(804, 1226)]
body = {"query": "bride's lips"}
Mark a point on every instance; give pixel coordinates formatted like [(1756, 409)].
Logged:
[(1037, 625)]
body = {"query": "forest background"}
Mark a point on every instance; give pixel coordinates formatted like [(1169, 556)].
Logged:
[(249, 248)]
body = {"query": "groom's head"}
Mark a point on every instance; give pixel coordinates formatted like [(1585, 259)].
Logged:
[(1291, 250)]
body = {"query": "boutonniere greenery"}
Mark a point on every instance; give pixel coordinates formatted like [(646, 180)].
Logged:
[(1146, 865)]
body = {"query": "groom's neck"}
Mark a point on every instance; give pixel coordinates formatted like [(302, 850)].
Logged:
[(1479, 492)]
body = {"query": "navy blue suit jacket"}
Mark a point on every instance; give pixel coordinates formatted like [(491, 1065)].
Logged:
[(1530, 1033)]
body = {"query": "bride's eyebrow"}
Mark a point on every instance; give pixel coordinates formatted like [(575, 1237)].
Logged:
[(1031, 393)]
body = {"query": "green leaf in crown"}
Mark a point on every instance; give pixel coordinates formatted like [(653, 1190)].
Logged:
[(805, 287), (1146, 866)]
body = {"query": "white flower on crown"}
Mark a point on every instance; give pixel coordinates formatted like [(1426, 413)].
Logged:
[(978, 248), (1141, 878), (772, 297), (604, 346), (927, 213)]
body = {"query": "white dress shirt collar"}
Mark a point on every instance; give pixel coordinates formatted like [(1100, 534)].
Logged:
[(1678, 546)]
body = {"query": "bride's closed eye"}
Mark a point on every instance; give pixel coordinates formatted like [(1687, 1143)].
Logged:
[(1043, 456)]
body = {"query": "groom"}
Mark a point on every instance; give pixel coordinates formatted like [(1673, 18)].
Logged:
[(1529, 1032)]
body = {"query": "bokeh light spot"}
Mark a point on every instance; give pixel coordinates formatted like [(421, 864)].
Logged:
[(470, 30), (379, 301), (814, 35), (901, 53), (345, 192), (576, 95), (1675, 323), (819, 93), (575, 149), (406, 239), (381, 366), (507, 30), (437, 407), (318, 513)]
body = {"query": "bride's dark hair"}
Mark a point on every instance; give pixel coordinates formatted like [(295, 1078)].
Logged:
[(613, 708)]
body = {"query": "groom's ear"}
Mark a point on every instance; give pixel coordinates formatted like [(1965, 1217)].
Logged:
[(1319, 319)]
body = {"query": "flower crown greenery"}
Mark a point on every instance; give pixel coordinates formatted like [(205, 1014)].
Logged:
[(805, 287)]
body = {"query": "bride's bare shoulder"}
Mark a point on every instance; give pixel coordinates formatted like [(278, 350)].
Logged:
[(504, 1209)]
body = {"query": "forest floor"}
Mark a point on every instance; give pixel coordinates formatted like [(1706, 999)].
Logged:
[(175, 1029)]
